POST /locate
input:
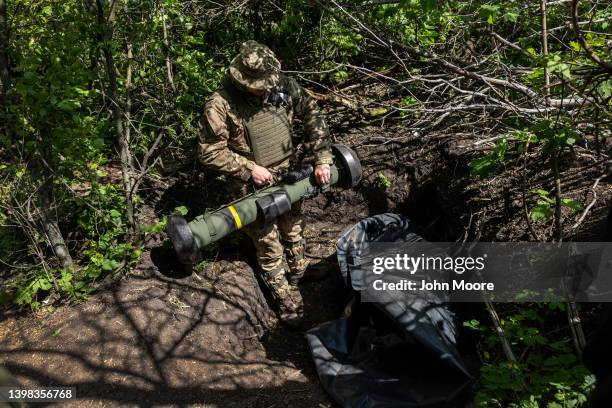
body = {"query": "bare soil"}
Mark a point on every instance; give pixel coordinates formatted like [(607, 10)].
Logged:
[(150, 339)]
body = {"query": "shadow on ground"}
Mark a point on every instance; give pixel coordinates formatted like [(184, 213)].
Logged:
[(161, 337)]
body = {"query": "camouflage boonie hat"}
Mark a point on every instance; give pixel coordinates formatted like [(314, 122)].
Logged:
[(255, 67)]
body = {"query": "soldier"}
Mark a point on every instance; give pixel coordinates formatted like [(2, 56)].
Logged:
[(246, 134)]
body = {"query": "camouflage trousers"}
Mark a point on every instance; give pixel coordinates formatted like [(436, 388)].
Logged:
[(279, 244)]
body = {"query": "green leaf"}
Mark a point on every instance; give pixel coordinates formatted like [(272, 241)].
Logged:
[(489, 12), (65, 282), (542, 211), (472, 324), (69, 104), (575, 45), (83, 92), (40, 283), (557, 65), (109, 264), (501, 147), (524, 136), (340, 75), (537, 73), (541, 126), (605, 89), (511, 17), (93, 273), (181, 210), (482, 166), (573, 204)]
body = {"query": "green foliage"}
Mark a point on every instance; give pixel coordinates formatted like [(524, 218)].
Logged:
[(556, 65), (543, 210), (553, 138), (199, 268), (473, 325), (382, 181), (30, 290), (407, 102), (161, 224), (489, 12), (181, 210), (544, 207), (486, 165), (104, 251), (423, 22), (547, 375)]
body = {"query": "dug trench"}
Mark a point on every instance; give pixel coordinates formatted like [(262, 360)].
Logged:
[(166, 335)]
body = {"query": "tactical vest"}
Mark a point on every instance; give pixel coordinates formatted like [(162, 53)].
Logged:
[(267, 128)]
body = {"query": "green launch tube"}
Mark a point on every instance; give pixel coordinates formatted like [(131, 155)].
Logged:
[(188, 238)]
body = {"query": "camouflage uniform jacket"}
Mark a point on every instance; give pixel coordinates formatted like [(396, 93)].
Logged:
[(223, 142)]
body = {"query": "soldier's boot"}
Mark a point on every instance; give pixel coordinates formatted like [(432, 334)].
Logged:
[(287, 299)]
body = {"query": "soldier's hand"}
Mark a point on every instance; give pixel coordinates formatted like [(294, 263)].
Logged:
[(322, 173), (261, 175)]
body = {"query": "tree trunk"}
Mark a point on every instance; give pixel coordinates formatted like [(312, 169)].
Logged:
[(169, 74), (50, 225), (122, 137), (545, 50), (4, 68), (42, 170)]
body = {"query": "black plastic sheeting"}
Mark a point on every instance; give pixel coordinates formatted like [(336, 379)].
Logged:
[(400, 353)]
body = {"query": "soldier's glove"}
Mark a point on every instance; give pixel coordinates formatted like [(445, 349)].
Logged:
[(296, 174)]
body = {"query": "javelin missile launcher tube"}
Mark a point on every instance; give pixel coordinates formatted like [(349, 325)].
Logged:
[(188, 238)]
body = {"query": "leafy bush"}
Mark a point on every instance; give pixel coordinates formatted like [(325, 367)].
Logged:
[(547, 374)]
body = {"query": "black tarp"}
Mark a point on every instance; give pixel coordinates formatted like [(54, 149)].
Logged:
[(400, 353)]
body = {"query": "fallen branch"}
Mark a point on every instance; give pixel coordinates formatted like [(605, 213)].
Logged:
[(591, 204)]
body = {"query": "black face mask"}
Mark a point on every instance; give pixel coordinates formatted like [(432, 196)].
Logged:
[(278, 98)]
